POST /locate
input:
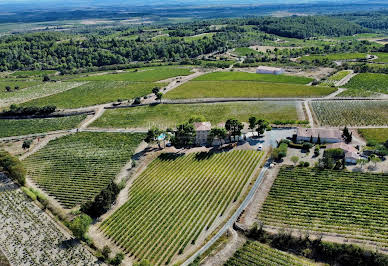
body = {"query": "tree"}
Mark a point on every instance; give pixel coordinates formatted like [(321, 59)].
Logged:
[(234, 127), (155, 90), (117, 259), (46, 78), (184, 135), (159, 96), (319, 140), (196, 118), (217, 133), (374, 159), (252, 123), (347, 135), (362, 162), (27, 144), (105, 252), (13, 167), (80, 225), (152, 136), (137, 100), (261, 126), (102, 202), (8, 88), (294, 159)]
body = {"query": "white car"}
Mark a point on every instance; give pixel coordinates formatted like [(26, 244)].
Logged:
[(260, 148)]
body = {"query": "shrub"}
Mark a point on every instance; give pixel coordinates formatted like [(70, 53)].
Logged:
[(137, 100), (117, 259), (29, 193), (13, 167), (307, 146), (80, 225)]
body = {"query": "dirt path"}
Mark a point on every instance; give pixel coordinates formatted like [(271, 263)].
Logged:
[(225, 253), (334, 94), (41, 144), (345, 79), (309, 114), (89, 120)]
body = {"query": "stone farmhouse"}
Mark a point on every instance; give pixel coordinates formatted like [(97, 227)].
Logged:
[(202, 130), (351, 153), (325, 135)]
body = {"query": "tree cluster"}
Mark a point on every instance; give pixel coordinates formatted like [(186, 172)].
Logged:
[(30, 110), (13, 167)]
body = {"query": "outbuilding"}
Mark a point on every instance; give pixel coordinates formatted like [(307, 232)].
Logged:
[(351, 153), (325, 135), (269, 70)]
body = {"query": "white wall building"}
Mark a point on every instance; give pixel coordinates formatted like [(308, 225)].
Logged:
[(325, 135), (269, 70), (202, 130)]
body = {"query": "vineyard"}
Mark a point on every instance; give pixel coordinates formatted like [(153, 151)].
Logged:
[(256, 253), (245, 76), (75, 168), (28, 236), (178, 200), (41, 90), (20, 127), (245, 89), (335, 78), (169, 115), (378, 135), (244, 51), (346, 203), (96, 92), (351, 113), (367, 83), (148, 74), (333, 57)]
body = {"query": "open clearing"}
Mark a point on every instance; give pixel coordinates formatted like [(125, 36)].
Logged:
[(365, 84), (96, 92), (379, 135), (28, 236), (244, 76), (346, 203), (351, 113), (244, 51), (178, 199), (256, 253), (169, 115), (334, 57), (20, 127), (245, 89), (75, 168), (150, 74)]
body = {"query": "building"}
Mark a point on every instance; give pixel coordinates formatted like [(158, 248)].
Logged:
[(325, 135), (269, 70), (202, 130), (351, 153)]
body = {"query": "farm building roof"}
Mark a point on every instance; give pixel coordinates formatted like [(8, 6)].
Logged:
[(352, 155), (345, 147), (269, 68), (202, 126), (321, 132)]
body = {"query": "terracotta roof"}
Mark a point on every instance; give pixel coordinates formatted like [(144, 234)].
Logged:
[(345, 147), (321, 132), (202, 126)]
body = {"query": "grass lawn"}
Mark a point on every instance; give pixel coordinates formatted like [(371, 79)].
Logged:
[(379, 135), (244, 76), (96, 92), (168, 115), (21, 84), (33, 73), (244, 51), (149, 74), (382, 57), (19, 127), (365, 84), (244, 89)]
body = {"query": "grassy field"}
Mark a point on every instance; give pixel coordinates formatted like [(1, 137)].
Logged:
[(244, 89), (334, 57), (150, 74), (168, 115), (31, 237), (244, 51), (37, 91), (32, 73), (75, 168), (335, 78), (244, 76), (351, 113), (19, 127), (379, 135), (367, 83), (13, 83), (96, 92), (339, 202), (256, 253), (381, 57), (176, 200)]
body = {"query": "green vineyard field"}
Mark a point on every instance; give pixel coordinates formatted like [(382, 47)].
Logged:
[(339, 202), (256, 253), (75, 168), (366, 84), (177, 199)]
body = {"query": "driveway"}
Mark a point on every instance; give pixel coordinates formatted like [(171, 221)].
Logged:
[(269, 138)]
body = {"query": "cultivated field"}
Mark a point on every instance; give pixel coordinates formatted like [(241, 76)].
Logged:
[(168, 115), (335, 78), (351, 113), (365, 84), (382, 57), (256, 253), (379, 135), (14, 83), (96, 92), (334, 57), (150, 74), (244, 51), (75, 168), (19, 127), (244, 76), (28, 236), (244, 89), (32, 73), (177, 200), (346, 203), (8, 98)]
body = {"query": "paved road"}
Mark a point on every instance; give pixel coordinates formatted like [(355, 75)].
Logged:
[(232, 219)]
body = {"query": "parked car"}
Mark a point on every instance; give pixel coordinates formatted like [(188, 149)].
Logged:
[(260, 148)]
